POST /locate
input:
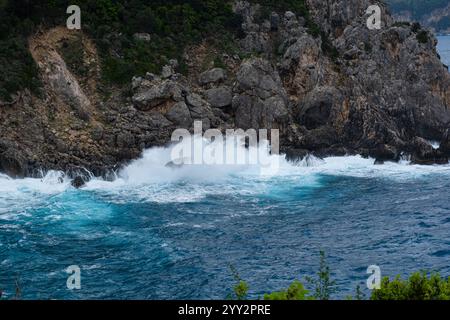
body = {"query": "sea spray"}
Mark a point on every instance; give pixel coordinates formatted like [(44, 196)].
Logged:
[(150, 179)]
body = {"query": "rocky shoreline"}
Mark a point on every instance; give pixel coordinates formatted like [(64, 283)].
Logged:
[(379, 93)]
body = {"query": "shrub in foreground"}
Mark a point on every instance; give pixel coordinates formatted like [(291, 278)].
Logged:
[(419, 286)]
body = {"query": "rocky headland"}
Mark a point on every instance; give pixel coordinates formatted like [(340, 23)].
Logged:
[(349, 90)]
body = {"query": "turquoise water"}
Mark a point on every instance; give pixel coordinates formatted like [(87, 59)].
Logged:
[(161, 233), (444, 48)]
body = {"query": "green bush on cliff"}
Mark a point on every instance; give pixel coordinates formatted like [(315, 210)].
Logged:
[(240, 289), (172, 24), (422, 36), (299, 7), (17, 68), (111, 23)]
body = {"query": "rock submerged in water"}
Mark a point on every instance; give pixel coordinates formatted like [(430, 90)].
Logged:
[(425, 154), (173, 165), (178, 163), (78, 182)]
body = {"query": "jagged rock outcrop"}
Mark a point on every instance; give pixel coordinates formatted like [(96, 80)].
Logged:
[(151, 93), (424, 153), (260, 100), (62, 83), (212, 76), (219, 97)]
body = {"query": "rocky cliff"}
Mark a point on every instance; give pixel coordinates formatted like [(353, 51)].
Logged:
[(345, 90)]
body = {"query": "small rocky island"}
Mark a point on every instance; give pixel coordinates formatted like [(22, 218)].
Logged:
[(342, 90)]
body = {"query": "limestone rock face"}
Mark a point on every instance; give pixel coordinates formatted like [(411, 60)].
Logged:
[(12, 161), (318, 106), (335, 16), (180, 114), (212, 76), (219, 97), (424, 153), (149, 94), (61, 82), (350, 90), (260, 100)]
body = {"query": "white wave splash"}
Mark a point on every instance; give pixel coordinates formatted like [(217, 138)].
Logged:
[(150, 179)]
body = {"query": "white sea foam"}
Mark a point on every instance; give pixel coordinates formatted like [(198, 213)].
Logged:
[(149, 179)]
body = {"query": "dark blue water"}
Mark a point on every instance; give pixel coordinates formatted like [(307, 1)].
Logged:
[(175, 239)]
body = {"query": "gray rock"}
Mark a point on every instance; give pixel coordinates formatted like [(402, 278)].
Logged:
[(136, 82), (200, 109), (167, 72), (219, 97), (150, 94), (289, 16), (125, 140), (304, 48), (383, 153), (195, 101), (12, 161), (266, 26), (173, 63), (316, 108), (296, 155), (260, 101), (150, 76), (256, 42), (78, 182), (180, 115), (212, 76), (425, 154), (259, 76), (97, 132), (142, 37)]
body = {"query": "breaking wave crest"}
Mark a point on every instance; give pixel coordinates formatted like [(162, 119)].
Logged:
[(150, 179)]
